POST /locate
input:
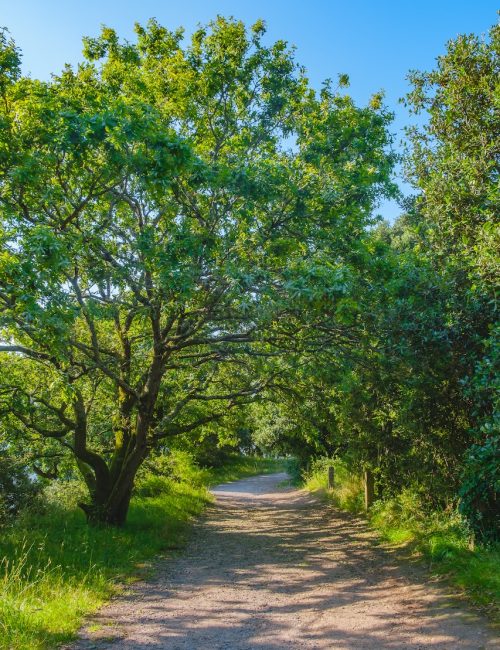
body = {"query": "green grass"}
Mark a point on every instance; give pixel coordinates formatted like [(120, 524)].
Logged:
[(441, 539), (347, 493), (56, 570), (239, 467)]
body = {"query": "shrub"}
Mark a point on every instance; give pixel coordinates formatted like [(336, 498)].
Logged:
[(293, 468), (171, 466), (65, 494), (480, 490), (17, 488)]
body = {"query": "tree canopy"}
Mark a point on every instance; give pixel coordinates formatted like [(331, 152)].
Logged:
[(190, 254), (167, 211)]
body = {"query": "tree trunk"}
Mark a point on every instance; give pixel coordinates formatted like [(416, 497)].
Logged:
[(117, 514), (110, 499), (100, 512), (111, 490), (369, 489)]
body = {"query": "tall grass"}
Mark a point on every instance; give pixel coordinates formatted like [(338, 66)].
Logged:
[(55, 569), (441, 538), (347, 493), (444, 541)]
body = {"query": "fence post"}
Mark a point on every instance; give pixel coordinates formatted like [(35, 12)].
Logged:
[(369, 489), (331, 476)]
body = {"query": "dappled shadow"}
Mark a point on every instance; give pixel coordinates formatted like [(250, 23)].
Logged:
[(270, 568)]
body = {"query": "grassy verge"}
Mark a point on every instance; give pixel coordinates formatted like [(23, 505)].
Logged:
[(54, 569), (242, 466), (441, 539)]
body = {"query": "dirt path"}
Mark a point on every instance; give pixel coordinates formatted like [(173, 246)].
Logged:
[(270, 569)]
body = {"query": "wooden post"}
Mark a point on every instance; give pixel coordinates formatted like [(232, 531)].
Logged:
[(331, 475), (369, 489)]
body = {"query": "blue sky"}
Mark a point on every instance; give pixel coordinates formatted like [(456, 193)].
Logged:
[(376, 43)]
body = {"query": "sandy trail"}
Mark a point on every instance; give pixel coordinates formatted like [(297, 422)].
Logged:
[(271, 568)]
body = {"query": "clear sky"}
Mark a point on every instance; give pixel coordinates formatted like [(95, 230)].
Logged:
[(376, 42)]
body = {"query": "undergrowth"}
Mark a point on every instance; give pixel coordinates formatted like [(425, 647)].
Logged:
[(55, 569), (441, 538)]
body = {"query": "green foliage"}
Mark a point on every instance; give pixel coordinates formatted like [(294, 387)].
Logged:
[(160, 238), (409, 515), (454, 161), (399, 366), (10, 62), (174, 466), (294, 469), (480, 489), (177, 280), (17, 489), (64, 494), (455, 156)]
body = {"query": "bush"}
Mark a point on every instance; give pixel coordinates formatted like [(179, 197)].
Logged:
[(293, 468), (480, 490), (17, 488), (407, 517), (152, 485), (164, 469), (406, 509), (65, 494), (209, 451)]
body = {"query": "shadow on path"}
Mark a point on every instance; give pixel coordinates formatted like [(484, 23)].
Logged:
[(271, 568)]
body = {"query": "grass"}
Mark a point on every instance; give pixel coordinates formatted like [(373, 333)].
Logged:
[(243, 466), (56, 570), (441, 539), (348, 491)]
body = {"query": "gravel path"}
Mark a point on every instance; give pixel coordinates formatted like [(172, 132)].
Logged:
[(269, 568)]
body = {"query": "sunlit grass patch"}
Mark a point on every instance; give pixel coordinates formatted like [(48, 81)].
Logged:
[(444, 541), (347, 492), (55, 569)]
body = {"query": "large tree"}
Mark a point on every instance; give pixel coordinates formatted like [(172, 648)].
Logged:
[(454, 157), (164, 207), (455, 160)]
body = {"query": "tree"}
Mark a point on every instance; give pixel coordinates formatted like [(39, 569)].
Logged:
[(398, 359), (454, 158), (158, 231)]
